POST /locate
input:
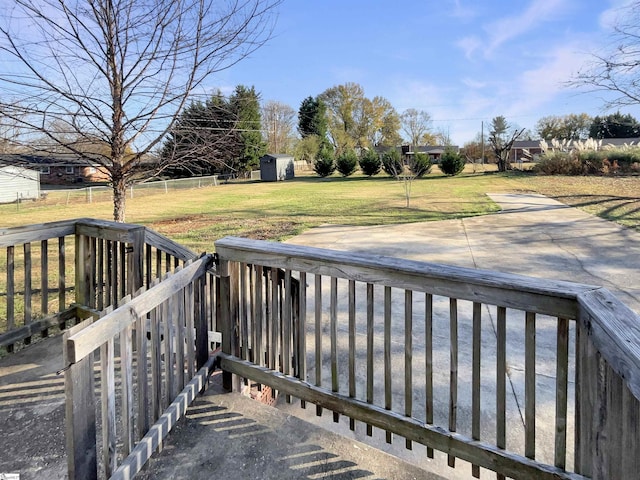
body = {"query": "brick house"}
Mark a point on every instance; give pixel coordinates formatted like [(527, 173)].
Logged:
[(59, 169)]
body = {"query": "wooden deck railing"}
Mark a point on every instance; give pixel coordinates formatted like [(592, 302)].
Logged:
[(161, 334), (401, 345), (51, 269)]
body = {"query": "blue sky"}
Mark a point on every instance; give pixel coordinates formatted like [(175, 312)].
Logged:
[(462, 61)]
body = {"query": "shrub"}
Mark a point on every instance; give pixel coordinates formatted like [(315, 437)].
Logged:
[(347, 163), (451, 163), (391, 163), (324, 164), (370, 163), (420, 165)]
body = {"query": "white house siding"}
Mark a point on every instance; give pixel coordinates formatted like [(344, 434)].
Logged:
[(18, 183)]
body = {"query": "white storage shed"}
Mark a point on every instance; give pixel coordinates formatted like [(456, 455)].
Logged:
[(17, 183)]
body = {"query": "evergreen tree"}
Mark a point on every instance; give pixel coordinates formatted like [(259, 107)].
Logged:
[(245, 104), (312, 119), (615, 125), (203, 141)]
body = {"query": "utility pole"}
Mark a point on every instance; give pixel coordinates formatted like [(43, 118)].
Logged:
[(482, 137)]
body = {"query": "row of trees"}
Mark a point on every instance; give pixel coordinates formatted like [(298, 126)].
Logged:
[(582, 126)]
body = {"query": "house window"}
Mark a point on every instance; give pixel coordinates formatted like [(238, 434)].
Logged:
[(45, 170), (69, 170), (92, 170)]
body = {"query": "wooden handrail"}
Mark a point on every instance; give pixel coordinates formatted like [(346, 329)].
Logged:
[(552, 297), (86, 341)]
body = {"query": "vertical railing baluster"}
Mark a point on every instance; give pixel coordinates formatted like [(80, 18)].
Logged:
[(168, 352), (318, 334), (286, 327), (190, 329), (562, 380), (408, 358), (62, 284), (44, 281), (501, 378), (108, 406), (352, 345), (333, 313), (302, 331), (126, 384), (428, 347), (475, 381), (370, 352), (100, 275), (10, 292), (123, 274), (27, 288), (388, 399), (530, 385), (453, 371), (156, 363), (244, 313), (179, 322), (275, 321), (260, 324)]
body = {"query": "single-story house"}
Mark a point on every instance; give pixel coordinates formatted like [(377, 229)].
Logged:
[(276, 166), (59, 168), (17, 183), (525, 150), (434, 151)]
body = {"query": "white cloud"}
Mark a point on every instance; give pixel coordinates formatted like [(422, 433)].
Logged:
[(507, 28), (542, 84), (462, 12), (469, 45)]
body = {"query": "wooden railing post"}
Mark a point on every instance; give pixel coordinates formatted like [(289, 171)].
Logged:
[(80, 415), (607, 431)]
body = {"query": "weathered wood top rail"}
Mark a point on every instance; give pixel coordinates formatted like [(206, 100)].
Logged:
[(89, 339), (551, 297)]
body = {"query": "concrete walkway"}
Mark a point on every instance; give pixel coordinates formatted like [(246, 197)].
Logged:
[(533, 235)]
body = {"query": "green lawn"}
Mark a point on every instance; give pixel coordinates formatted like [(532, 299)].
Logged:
[(279, 210)]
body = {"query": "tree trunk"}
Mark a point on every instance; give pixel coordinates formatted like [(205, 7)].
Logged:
[(119, 198)]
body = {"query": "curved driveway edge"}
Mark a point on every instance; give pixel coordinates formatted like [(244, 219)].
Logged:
[(532, 235)]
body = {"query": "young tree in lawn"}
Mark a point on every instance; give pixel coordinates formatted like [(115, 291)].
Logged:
[(119, 71), (501, 138)]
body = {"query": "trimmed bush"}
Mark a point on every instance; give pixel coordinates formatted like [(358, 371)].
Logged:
[(324, 164), (370, 163), (451, 163), (392, 164), (347, 163), (420, 165)]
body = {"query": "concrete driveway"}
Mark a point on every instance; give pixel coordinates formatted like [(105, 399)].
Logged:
[(532, 235)]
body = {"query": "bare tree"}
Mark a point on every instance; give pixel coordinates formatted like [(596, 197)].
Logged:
[(118, 70), (501, 138), (278, 121), (617, 70), (415, 125)]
